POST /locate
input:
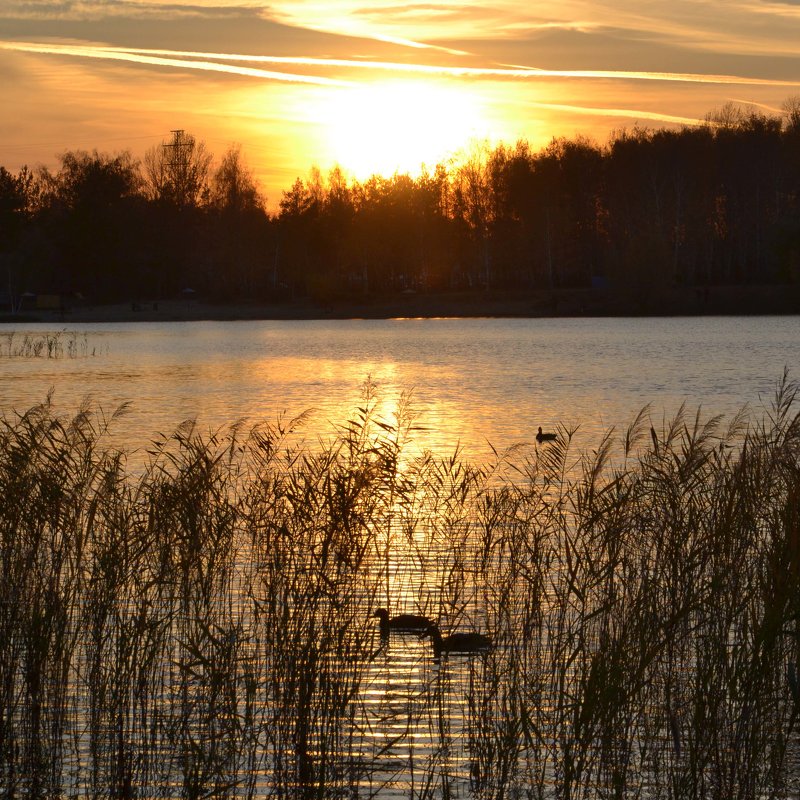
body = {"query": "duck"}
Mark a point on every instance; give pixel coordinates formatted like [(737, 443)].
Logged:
[(402, 623), (545, 437), (462, 642)]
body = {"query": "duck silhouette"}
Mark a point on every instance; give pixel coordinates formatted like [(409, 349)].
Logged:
[(462, 642), (545, 437), (402, 623)]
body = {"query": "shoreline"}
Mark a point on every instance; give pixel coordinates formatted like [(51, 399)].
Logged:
[(713, 301)]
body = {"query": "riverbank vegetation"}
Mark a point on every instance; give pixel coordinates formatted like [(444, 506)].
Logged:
[(46, 345), (648, 212), (197, 620)]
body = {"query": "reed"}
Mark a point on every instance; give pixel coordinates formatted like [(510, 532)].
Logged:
[(61, 344), (201, 624)]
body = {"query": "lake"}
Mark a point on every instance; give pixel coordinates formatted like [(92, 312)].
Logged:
[(474, 381)]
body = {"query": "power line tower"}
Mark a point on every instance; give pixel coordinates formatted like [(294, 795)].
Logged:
[(178, 157)]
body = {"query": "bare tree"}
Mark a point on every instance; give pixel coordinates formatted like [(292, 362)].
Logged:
[(791, 113), (233, 187), (729, 117)]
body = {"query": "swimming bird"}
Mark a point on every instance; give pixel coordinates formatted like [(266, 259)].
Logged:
[(457, 642), (402, 623), (544, 437)]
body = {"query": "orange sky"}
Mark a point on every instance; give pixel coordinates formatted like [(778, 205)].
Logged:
[(375, 87)]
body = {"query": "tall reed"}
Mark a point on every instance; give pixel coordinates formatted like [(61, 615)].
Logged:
[(201, 624), (61, 344)]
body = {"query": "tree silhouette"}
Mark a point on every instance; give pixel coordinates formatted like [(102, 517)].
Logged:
[(233, 187), (474, 206), (791, 113), (237, 229), (88, 209), (14, 202), (656, 216)]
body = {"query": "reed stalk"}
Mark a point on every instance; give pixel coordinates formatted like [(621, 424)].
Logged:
[(201, 625)]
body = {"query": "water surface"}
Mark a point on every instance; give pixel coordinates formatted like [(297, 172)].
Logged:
[(474, 381)]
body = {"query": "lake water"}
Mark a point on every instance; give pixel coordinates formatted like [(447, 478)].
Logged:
[(474, 381)]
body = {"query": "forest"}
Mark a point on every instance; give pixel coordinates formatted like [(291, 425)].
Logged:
[(649, 211)]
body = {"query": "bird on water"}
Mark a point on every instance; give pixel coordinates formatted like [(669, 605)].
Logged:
[(457, 642), (544, 437), (402, 623)]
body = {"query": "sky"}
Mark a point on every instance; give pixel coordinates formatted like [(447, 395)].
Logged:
[(375, 87)]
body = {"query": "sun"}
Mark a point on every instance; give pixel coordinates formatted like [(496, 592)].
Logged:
[(398, 126)]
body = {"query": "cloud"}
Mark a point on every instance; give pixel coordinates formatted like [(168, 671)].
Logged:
[(453, 27), (786, 10), (84, 10), (236, 27), (775, 5)]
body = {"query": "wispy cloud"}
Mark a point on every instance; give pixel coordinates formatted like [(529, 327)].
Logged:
[(790, 8), (83, 10)]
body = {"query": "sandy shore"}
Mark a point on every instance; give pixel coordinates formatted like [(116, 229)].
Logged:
[(738, 300), (446, 305)]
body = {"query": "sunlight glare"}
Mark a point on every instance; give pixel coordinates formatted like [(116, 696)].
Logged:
[(397, 126)]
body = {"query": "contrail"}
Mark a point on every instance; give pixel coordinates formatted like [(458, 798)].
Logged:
[(211, 62), (455, 71), (137, 57), (619, 112)]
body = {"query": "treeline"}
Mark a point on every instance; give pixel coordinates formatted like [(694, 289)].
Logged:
[(113, 228), (714, 204)]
